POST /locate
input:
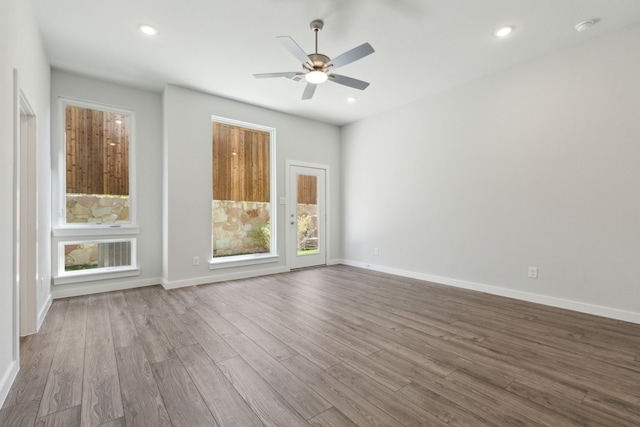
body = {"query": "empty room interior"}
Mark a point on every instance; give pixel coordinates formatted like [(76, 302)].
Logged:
[(328, 213)]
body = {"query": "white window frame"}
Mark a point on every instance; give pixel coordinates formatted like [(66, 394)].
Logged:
[(101, 273), (60, 226), (78, 233), (262, 258)]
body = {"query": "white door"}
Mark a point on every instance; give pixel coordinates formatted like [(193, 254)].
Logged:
[(306, 217)]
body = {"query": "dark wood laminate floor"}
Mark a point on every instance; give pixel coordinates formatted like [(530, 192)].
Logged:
[(331, 346)]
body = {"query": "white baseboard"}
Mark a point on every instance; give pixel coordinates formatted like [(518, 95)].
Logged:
[(222, 277), (582, 307), (7, 380), (335, 261), (95, 288), (43, 312)]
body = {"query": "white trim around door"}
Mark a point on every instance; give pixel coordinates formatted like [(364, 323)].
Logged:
[(318, 252)]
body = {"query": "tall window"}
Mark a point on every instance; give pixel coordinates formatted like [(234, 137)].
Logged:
[(97, 166), (241, 193), (93, 236)]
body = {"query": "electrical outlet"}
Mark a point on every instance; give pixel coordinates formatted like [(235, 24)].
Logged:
[(533, 272), (376, 251), (196, 260)]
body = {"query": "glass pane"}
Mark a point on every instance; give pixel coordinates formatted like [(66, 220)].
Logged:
[(241, 208), (307, 214), (88, 256), (97, 160)]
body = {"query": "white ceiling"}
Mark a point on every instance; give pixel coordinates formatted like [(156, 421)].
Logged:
[(422, 46)]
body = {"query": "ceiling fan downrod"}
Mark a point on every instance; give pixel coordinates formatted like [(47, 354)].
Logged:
[(318, 61), (316, 25)]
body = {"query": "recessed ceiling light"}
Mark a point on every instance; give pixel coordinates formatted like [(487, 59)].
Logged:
[(148, 29), (503, 32), (119, 121), (352, 99)]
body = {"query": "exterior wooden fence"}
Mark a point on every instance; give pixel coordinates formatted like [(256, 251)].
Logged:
[(240, 164), (308, 189), (97, 151)]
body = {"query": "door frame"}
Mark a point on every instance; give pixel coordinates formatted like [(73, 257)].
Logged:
[(25, 219), (291, 251), (16, 224)]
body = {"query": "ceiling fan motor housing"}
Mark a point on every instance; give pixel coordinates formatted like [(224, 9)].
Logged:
[(319, 61)]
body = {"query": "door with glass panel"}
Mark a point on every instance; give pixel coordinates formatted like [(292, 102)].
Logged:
[(306, 217)]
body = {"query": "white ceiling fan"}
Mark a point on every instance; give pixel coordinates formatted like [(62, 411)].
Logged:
[(318, 68)]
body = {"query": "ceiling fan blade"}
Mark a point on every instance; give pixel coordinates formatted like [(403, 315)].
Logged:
[(294, 48), (348, 81), (288, 75), (309, 91), (351, 55)]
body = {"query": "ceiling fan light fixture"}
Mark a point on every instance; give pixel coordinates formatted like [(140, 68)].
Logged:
[(316, 77)]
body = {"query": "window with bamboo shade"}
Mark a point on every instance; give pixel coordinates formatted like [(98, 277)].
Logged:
[(240, 163), (241, 190), (97, 151), (97, 165), (94, 193)]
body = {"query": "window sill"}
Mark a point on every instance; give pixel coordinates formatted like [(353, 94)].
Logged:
[(96, 230), (242, 260), (89, 276)]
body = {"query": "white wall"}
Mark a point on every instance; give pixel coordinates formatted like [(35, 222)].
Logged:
[(533, 166), (20, 48), (187, 229), (147, 107)]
